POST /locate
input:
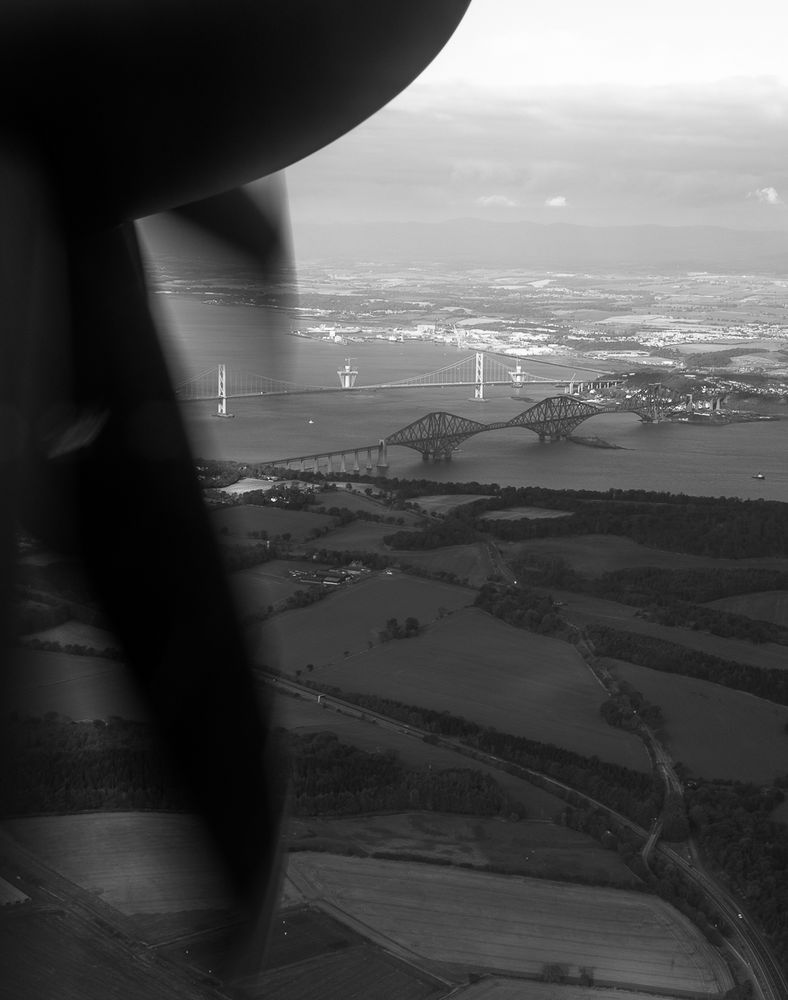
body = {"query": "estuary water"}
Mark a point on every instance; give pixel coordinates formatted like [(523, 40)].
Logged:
[(677, 458)]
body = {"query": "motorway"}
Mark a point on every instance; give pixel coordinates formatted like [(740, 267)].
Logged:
[(754, 952), (749, 947)]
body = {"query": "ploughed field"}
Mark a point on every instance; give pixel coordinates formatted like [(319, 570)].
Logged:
[(472, 665), (144, 865), (489, 923)]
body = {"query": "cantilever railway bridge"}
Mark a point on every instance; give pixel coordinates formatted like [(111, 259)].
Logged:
[(438, 434)]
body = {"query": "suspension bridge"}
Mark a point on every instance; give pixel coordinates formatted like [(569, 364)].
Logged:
[(438, 435), (479, 370)]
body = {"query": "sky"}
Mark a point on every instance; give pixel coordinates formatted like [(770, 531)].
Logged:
[(603, 112)]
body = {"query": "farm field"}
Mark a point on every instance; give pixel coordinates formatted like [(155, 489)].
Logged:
[(352, 617), (583, 610), (358, 536), (297, 934), (354, 499), (518, 513), (58, 958), (467, 562), (539, 849), (242, 519), (594, 555), (258, 586), (507, 924), (10, 894), (443, 503), (362, 971), (496, 988), (476, 666), (80, 634), (715, 731), (247, 485), (79, 687), (310, 956), (306, 716), (770, 606), (139, 863)]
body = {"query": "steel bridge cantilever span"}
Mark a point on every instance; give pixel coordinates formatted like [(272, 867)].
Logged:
[(556, 417), (436, 435)]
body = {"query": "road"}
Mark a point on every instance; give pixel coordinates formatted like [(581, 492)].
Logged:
[(500, 565), (766, 972)]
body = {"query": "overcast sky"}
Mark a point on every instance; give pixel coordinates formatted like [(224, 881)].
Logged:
[(599, 112)]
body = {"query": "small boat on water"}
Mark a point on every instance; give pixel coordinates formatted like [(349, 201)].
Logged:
[(758, 475)]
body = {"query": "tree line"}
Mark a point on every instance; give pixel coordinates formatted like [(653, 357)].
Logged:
[(520, 606), (659, 654), (670, 597), (329, 777), (635, 794), (54, 765), (711, 526), (719, 527)]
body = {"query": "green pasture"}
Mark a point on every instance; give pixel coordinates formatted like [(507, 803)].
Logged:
[(258, 586), (473, 665), (583, 610), (715, 731), (242, 519), (593, 555), (358, 536), (467, 562), (770, 606), (348, 621)]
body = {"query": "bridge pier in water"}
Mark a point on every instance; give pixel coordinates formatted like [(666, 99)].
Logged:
[(347, 375)]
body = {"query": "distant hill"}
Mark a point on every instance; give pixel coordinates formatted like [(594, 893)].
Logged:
[(558, 246)]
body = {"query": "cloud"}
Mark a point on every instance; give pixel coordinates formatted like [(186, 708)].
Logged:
[(495, 201), (672, 155), (768, 195)]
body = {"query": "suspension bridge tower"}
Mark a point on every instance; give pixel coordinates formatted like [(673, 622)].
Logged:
[(478, 389), (348, 374), (221, 393)]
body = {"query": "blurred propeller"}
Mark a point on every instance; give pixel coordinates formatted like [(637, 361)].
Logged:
[(140, 107)]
